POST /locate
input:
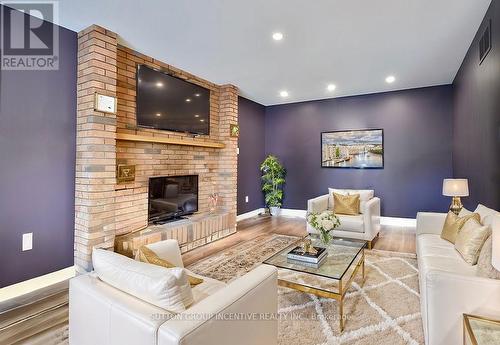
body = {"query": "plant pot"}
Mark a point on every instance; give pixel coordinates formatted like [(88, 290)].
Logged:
[(274, 210)]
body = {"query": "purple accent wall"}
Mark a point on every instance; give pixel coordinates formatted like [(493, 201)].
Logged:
[(417, 127), (37, 174), (251, 119), (476, 130)]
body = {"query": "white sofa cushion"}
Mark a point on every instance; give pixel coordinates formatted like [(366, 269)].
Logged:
[(167, 288), (434, 253), (364, 196), (351, 223), (167, 250), (205, 289), (486, 214)]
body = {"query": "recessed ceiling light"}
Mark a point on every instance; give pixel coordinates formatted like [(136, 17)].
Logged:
[(196, 115), (158, 114), (159, 84), (202, 120), (188, 100), (277, 36), (331, 87), (284, 93), (390, 79), (197, 95)]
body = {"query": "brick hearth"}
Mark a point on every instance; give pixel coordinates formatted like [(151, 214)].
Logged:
[(104, 208)]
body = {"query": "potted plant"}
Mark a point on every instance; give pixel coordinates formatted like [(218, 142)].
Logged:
[(324, 222), (273, 179)]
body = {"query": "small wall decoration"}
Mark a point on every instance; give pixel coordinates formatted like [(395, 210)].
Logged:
[(358, 149), (234, 130), (105, 104), (125, 173)]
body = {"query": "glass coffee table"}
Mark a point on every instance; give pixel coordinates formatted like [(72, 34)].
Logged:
[(331, 279), (480, 330)]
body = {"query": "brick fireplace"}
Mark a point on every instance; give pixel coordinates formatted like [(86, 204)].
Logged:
[(106, 209)]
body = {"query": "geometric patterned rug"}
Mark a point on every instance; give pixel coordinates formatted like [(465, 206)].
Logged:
[(383, 310)]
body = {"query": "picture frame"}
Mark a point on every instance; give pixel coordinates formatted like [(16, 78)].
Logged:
[(234, 130), (125, 173), (353, 149)]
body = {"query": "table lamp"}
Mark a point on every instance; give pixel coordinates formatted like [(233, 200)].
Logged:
[(455, 187)]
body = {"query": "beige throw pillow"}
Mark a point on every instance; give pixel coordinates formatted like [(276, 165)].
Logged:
[(470, 240), (346, 204), (453, 224), (365, 195), (484, 267)]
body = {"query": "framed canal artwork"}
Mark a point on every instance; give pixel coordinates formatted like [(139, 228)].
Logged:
[(354, 149)]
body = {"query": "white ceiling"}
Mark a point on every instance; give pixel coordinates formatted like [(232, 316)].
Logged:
[(354, 44)]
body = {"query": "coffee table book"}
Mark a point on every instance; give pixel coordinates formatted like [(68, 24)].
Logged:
[(297, 254), (307, 264)]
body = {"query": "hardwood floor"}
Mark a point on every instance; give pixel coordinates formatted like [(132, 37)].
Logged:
[(391, 238), (44, 313)]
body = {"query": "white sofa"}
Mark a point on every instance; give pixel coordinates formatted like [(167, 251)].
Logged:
[(365, 226), (449, 286), (100, 314)]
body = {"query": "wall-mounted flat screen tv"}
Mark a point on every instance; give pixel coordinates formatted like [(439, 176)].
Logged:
[(169, 103)]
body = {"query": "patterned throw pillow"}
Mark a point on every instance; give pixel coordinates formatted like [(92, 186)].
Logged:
[(147, 255), (470, 240), (346, 204), (484, 267), (453, 224)]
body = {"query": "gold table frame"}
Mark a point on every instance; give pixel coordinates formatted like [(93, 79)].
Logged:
[(342, 288), (467, 329)]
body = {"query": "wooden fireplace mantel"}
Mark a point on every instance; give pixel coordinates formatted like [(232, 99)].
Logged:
[(166, 140)]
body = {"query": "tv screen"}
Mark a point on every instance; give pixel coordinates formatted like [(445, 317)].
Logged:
[(169, 103), (172, 197)]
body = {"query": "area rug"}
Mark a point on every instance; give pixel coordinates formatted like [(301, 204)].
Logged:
[(383, 310)]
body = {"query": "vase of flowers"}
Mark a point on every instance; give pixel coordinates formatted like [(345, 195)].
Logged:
[(324, 222)]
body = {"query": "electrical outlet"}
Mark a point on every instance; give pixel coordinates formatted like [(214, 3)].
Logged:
[(246, 198), (27, 241)]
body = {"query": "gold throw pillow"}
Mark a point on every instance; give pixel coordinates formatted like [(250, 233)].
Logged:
[(470, 240), (346, 204), (453, 224), (150, 257)]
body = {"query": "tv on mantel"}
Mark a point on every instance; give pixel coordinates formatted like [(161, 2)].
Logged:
[(169, 103)]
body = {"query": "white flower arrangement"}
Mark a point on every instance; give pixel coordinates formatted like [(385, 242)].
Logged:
[(324, 222)]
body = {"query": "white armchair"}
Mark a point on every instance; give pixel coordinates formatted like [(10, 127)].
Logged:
[(102, 314), (365, 226)]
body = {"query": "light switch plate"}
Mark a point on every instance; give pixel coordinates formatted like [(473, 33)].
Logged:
[(27, 241), (246, 198), (106, 104)]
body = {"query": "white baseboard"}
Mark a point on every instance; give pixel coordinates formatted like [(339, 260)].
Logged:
[(31, 285), (410, 222), (249, 214), (291, 212)]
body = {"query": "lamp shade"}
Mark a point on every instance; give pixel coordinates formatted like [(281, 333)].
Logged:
[(455, 187)]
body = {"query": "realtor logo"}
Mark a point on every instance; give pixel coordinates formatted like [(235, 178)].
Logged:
[(29, 40)]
